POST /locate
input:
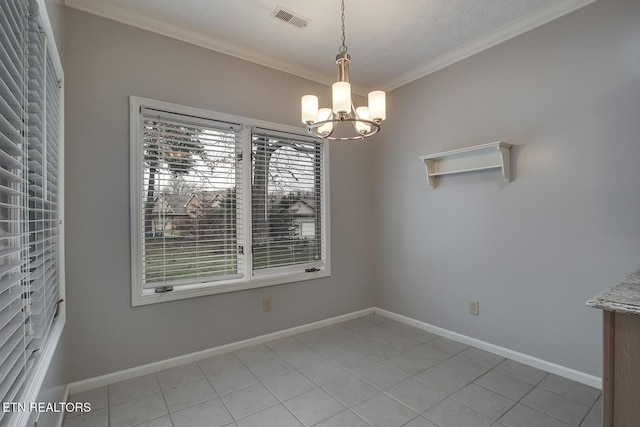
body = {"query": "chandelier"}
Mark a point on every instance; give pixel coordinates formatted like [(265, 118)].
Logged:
[(343, 122)]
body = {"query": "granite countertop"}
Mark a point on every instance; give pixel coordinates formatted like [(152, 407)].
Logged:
[(624, 297)]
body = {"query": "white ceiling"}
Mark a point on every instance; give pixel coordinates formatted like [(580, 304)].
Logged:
[(391, 42)]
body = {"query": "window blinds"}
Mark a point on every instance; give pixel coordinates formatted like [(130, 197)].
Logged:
[(13, 257), (190, 204), (29, 243), (287, 203)]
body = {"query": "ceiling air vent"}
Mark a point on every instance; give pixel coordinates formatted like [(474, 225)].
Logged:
[(282, 14)]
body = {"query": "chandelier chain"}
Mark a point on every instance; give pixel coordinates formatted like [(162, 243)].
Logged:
[(343, 48)]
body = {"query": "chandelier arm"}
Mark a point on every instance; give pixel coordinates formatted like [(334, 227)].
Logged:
[(355, 127), (329, 134), (354, 110), (312, 129)]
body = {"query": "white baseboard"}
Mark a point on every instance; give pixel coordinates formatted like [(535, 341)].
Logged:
[(562, 371), (66, 399), (127, 374), (103, 380)]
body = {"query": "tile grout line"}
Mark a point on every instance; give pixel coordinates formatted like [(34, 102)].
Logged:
[(164, 399), (591, 408), (219, 396), (261, 382), (546, 414), (108, 406)]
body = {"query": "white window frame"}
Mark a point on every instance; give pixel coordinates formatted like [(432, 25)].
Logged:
[(249, 279)]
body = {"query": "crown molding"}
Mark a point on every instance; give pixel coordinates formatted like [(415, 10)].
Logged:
[(155, 24), (161, 26), (512, 29)]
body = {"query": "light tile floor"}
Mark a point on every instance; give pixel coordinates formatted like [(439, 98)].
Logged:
[(369, 371)]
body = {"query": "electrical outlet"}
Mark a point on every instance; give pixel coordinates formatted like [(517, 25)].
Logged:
[(266, 304), (474, 308)]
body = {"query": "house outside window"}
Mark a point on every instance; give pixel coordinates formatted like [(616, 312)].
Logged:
[(221, 203)]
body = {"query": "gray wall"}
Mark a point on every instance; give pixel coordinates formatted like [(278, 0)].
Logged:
[(105, 62), (532, 252)]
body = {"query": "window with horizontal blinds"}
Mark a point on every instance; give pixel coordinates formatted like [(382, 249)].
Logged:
[(14, 319), (29, 211), (287, 202), (221, 203), (191, 185)]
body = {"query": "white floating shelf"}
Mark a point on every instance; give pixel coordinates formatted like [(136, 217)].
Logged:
[(492, 156)]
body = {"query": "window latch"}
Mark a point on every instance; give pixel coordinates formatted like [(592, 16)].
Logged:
[(163, 289), (311, 270)]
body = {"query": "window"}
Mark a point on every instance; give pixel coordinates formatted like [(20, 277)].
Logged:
[(190, 185), (287, 189), (31, 278), (222, 203)]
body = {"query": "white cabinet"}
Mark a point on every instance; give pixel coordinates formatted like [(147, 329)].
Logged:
[(492, 156)]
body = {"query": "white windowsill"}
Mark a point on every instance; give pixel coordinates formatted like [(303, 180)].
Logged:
[(148, 296)]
